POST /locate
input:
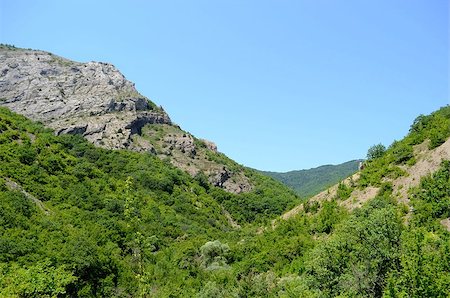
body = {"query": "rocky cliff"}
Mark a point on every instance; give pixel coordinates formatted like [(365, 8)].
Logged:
[(95, 100)]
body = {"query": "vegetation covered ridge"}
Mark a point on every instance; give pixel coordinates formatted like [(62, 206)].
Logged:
[(126, 224), (91, 219), (400, 166), (312, 181)]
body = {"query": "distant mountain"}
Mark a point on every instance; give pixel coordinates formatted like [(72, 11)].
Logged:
[(310, 182)]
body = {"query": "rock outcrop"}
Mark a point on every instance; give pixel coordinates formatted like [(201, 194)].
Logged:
[(227, 180), (184, 143), (210, 145), (93, 99)]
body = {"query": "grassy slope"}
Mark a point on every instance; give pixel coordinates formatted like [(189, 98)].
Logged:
[(310, 182)]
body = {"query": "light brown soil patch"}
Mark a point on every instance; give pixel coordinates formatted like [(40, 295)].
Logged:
[(292, 212), (359, 197), (230, 219), (446, 223), (327, 195), (428, 161)]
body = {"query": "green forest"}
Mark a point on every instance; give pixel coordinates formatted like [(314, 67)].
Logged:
[(310, 182), (81, 221)]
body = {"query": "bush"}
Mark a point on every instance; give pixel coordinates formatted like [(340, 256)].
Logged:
[(311, 206), (376, 151), (40, 280), (343, 191), (435, 127), (213, 255), (401, 152)]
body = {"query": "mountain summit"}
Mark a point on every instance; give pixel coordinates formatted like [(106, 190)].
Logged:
[(95, 100)]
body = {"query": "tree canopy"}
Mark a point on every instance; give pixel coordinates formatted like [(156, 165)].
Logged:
[(80, 221)]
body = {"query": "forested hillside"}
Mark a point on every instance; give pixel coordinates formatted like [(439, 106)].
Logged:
[(310, 182), (89, 220), (81, 221)]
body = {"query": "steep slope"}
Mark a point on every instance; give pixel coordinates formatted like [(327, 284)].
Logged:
[(310, 182), (82, 221), (96, 101), (401, 167), (383, 232), (349, 196), (78, 220), (92, 99)]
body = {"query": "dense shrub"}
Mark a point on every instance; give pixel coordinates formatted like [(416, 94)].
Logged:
[(376, 151), (123, 224)]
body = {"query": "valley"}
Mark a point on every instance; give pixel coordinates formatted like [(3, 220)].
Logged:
[(102, 195)]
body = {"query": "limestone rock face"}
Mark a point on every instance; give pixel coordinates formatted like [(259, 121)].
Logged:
[(184, 143), (231, 182), (93, 99)]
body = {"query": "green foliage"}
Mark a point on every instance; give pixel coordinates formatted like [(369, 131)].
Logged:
[(15, 210), (401, 152), (435, 127), (296, 287), (311, 206), (119, 220), (106, 230), (329, 215), (310, 182), (378, 169), (355, 260), (376, 151), (213, 255), (424, 269), (439, 132), (431, 200), (419, 125), (343, 191), (212, 289), (126, 224), (39, 280), (267, 199)]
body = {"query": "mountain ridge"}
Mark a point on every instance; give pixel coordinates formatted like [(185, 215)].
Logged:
[(309, 182), (79, 220), (95, 100), (75, 98), (420, 154)]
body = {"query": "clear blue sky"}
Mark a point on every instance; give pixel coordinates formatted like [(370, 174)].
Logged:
[(278, 85)]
